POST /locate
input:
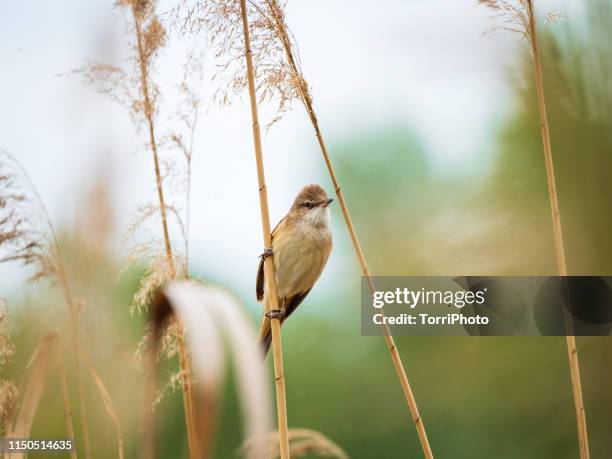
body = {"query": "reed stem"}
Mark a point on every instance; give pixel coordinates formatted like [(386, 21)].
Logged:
[(74, 318), (67, 407), (184, 366), (572, 351), (148, 111), (269, 275), (306, 98)]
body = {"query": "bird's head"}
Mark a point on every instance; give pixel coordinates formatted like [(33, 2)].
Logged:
[(311, 205)]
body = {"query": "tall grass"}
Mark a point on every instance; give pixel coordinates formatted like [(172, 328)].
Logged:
[(273, 72), (519, 16), (138, 91), (28, 236), (273, 20), (43, 357), (270, 277), (8, 390)]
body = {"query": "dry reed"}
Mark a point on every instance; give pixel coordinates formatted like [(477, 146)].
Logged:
[(67, 408), (38, 365), (270, 277), (273, 20), (8, 390), (110, 410), (518, 16), (138, 92), (27, 236), (302, 442), (150, 36), (275, 74)]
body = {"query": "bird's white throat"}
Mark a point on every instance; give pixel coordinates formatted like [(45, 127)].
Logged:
[(319, 216)]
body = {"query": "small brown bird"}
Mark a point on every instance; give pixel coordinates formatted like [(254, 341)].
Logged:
[(301, 244)]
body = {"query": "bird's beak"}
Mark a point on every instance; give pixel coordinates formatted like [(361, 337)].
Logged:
[(328, 202)]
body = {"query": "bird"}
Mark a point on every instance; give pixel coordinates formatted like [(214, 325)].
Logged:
[(301, 245)]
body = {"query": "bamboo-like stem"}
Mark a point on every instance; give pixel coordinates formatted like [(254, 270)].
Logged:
[(184, 366), (270, 278), (307, 101), (572, 351), (67, 407)]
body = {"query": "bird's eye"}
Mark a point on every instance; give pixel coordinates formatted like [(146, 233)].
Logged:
[(307, 204)]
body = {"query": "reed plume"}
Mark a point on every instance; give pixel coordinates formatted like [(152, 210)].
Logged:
[(518, 16), (27, 236), (302, 442), (137, 91)]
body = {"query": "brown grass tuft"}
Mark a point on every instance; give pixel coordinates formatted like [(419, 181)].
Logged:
[(27, 235), (302, 442)]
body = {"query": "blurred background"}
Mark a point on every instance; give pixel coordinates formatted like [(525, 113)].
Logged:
[(433, 127)]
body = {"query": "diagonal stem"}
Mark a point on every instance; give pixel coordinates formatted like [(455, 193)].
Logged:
[(558, 237), (276, 12)]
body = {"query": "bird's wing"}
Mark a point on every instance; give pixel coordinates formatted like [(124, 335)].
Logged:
[(259, 283)]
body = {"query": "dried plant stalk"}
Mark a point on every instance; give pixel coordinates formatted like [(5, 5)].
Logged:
[(274, 70), (110, 409), (281, 404), (67, 407), (147, 42), (22, 215), (572, 351), (275, 17), (38, 364), (149, 37), (518, 16), (8, 390)]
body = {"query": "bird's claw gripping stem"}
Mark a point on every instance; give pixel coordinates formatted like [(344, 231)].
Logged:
[(274, 314), (266, 253)]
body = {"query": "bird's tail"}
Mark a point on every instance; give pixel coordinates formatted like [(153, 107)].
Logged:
[(265, 336)]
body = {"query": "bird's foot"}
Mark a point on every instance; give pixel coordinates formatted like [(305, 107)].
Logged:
[(266, 253), (274, 314)]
